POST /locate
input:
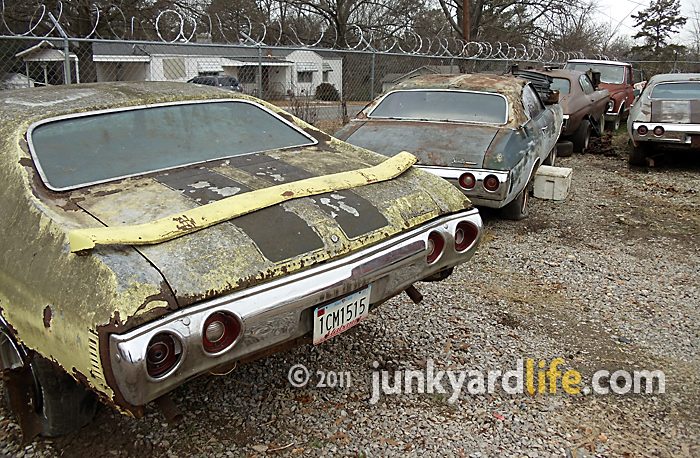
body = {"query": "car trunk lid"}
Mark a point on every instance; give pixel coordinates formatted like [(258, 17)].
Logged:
[(434, 143)]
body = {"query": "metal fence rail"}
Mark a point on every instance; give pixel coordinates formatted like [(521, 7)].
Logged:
[(322, 86)]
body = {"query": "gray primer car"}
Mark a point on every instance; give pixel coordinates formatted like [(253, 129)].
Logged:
[(487, 134), (667, 113)]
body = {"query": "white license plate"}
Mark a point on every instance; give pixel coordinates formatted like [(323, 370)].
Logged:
[(339, 316)]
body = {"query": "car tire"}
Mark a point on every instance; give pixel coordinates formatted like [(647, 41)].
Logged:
[(60, 404), (518, 208), (582, 136), (638, 155), (601, 125), (565, 148), (551, 158)]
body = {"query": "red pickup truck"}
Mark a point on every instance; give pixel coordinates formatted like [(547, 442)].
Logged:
[(618, 79)]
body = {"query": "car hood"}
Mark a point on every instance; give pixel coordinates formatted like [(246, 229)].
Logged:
[(613, 88), (434, 143), (272, 241)]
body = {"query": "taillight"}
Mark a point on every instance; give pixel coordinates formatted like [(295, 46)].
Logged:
[(491, 183), (436, 244), (465, 235), (220, 331), (467, 181), (162, 354), (659, 131), (642, 130)]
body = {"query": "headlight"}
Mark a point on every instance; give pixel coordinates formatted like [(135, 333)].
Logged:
[(611, 105)]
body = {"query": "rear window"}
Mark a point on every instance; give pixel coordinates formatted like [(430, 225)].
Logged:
[(676, 91), (433, 105), (97, 147)]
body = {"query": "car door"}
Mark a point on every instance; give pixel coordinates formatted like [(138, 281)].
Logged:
[(598, 100), (541, 127)]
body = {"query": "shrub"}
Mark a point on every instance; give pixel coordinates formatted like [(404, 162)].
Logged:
[(327, 92)]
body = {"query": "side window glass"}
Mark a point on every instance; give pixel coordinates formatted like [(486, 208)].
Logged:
[(586, 85), (531, 102)]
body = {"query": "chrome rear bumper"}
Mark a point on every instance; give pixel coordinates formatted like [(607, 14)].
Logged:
[(478, 194), (281, 310), (680, 134)]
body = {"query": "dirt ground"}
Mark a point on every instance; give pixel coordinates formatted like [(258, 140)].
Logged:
[(607, 279)]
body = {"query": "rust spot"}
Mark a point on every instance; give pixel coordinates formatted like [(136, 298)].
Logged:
[(287, 193), (47, 317), (322, 137), (25, 161), (106, 192)]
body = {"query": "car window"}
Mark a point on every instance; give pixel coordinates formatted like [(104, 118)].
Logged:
[(689, 90), (586, 85), (99, 147), (228, 81), (432, 105), (562, 85), (532, 103), (612, 74)]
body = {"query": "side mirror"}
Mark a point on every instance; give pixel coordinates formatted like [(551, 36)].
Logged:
[(552, 98)]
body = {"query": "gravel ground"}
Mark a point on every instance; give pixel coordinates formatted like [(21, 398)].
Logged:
[(605, 280)]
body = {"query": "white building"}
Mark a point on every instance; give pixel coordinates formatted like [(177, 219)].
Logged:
[(284, 73)]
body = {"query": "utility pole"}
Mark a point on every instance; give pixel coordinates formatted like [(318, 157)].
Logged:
[(467, 20)]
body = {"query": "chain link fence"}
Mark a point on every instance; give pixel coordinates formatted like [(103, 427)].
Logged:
[(323, 86)]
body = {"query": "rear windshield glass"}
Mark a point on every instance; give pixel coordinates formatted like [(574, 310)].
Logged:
[(100, 147), (676, 91), (612, 74), (443, 106), (562, 85)]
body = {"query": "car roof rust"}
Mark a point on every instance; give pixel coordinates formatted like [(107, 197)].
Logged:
[(572, 75), (507, 85)]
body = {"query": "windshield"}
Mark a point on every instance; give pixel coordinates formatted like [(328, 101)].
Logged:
[(434, 105), (562, 85), (612, 74), (99, 147), (676, 91)]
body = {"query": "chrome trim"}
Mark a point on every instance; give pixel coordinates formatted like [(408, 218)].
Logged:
[(381, 99), (478, 193), (280, 310), (40, 170), (673, 133)]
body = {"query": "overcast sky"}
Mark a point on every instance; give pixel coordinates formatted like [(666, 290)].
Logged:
[(618, 12)]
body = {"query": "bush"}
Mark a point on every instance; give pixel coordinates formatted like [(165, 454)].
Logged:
[(327, 92)]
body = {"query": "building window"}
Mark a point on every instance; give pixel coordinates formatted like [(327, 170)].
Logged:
[(305, 77)]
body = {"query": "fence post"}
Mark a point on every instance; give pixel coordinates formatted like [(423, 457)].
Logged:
[(66, 50), (258, 76), (371, 76)]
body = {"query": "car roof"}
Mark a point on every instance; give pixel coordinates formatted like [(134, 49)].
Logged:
[(600, 62), (671, 77), (559, 73)]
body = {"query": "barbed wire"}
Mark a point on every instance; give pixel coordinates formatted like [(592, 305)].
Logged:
[(177, 25)]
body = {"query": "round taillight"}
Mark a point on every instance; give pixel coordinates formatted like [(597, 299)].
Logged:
[(491, 183), (220, 331), (436, 244), (659, 131), (162, 354), (465, 235), (467, 181), (642, 130)]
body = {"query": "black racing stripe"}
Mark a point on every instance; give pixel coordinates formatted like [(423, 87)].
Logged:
[(278, 234), (355, 215)]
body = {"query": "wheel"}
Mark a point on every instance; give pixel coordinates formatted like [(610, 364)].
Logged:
[(600, 123), (551, 158), (518, 208), (45, 399), (638, 155), (582, 136), (565, 149)]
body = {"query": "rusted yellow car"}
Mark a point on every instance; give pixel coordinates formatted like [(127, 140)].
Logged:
[(153, 232)]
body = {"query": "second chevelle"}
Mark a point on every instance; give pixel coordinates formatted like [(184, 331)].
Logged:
[(487, 134), (153, 232)]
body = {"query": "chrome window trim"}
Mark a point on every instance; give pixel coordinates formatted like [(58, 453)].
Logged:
[(379, 102), (44, 179), (661, 83)]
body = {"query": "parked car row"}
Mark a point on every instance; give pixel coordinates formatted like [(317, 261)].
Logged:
[(161, 231)]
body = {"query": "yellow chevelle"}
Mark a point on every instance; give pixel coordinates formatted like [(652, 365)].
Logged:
[(153, 232)]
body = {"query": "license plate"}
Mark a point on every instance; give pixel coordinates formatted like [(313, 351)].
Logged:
[(339, 316)]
